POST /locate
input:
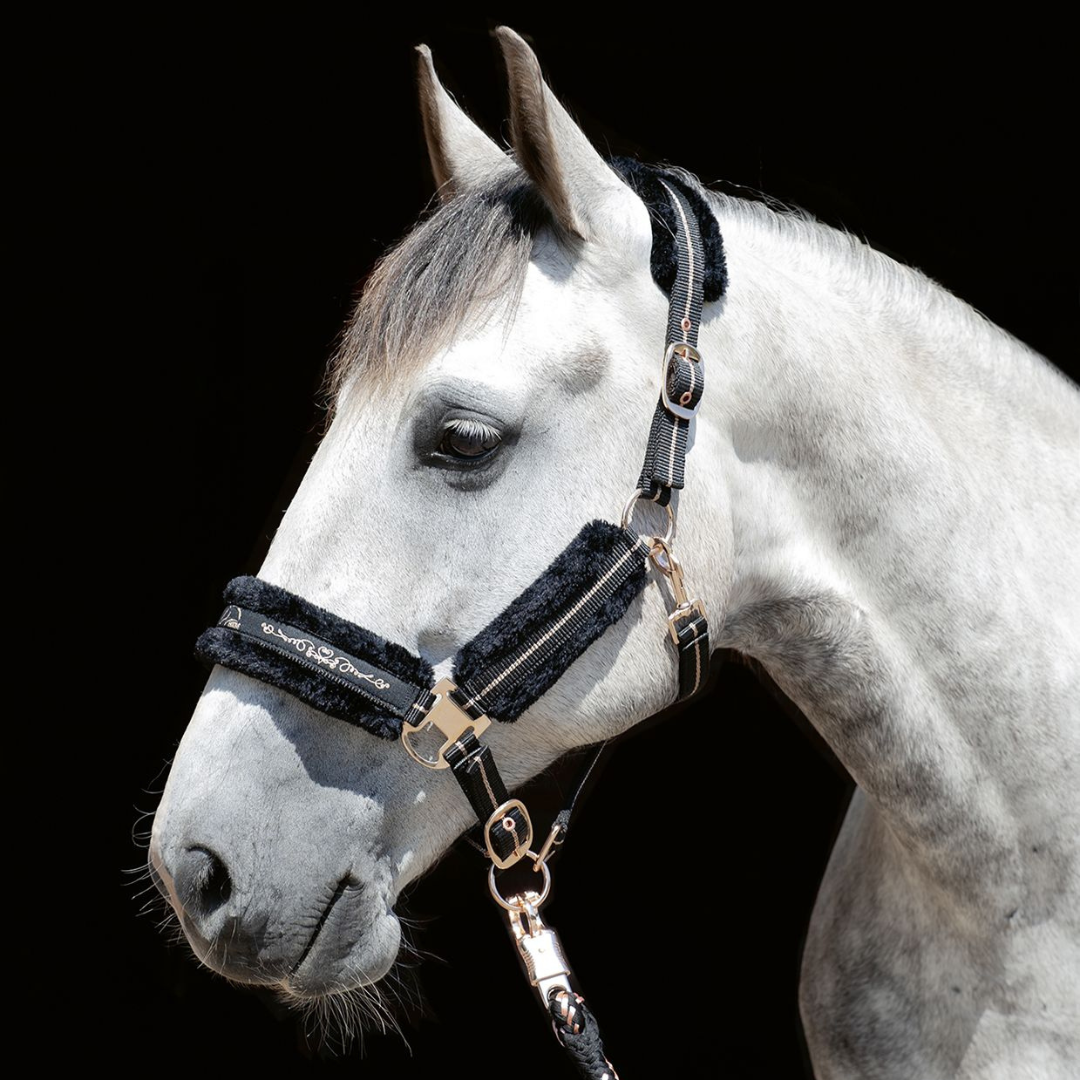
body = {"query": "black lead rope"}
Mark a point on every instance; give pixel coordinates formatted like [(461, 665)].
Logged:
[(578, 1032), (347, 672)]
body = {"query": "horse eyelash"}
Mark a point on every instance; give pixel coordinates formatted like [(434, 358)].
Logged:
[(472, 429)]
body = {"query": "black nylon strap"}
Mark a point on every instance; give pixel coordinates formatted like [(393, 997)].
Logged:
[(564, 817), (474, 769), (684, 377), (694, 650)]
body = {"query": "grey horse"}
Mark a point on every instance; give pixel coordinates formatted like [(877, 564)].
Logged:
[(882, 488)]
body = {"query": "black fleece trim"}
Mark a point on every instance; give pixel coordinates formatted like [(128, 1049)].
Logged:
[(314, 686), (569, 578), (644, 180), (588, 587)]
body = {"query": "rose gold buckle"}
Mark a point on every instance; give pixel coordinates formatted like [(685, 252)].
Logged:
[(521, 843), (695, 607), (664, 560), (449, 719), (684, 352)]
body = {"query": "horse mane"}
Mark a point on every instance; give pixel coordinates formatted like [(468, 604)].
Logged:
[(867, 277), (469, 257)]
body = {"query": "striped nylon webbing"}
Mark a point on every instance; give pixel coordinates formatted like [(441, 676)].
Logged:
[(664, 468)]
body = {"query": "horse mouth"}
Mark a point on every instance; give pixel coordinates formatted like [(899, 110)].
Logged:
[(346, 883), (347, 939), (335, 959)]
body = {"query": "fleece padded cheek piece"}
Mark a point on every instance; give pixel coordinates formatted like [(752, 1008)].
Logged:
[(350, 673), (521, 653)]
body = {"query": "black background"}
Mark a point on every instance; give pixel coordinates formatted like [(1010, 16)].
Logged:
[(281, 159)]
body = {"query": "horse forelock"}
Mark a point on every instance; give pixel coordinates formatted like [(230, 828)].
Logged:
[(467, 260)]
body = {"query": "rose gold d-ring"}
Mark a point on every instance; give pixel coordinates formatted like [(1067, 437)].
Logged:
[(628, 513), (498, 897)]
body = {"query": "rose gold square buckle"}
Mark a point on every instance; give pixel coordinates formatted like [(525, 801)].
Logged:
[(683, 351), (501, 819), (449, 719)]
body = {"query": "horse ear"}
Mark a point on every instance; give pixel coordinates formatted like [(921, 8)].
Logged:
[(573, 178), (462, 156)]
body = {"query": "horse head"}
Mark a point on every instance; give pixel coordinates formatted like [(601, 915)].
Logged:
[(491, 395)]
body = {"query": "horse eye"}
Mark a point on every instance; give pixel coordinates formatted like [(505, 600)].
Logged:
[(468, 440)]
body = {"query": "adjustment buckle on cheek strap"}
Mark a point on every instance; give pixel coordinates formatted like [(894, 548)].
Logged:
[(682, 380)]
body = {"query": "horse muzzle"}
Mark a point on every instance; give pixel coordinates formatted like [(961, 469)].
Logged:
[(277, 861), (327, 939)]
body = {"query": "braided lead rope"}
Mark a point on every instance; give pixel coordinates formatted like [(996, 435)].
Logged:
[(579, 1034)]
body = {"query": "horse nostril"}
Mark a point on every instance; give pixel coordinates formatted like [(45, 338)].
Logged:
[(202, 881)]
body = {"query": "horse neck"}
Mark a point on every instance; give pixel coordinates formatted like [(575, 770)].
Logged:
[(901, 482)]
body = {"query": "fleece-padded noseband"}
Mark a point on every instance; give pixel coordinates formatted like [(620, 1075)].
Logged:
[(332, 664), (346, 671)]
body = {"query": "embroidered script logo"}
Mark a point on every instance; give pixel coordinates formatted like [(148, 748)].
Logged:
[(324, 655), (229, 619)]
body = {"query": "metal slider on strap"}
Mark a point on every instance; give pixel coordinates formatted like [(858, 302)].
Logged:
[(449, 719), (694, 607), (685, 407)]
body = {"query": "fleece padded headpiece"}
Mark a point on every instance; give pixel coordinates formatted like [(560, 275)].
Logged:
[(647, 182)]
